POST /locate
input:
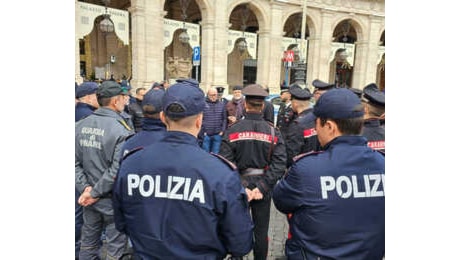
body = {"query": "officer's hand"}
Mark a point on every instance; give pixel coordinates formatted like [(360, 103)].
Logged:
[(257, 195), (232, 119), (249, 193)]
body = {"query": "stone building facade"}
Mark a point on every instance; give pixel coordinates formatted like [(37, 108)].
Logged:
[(154, 50)]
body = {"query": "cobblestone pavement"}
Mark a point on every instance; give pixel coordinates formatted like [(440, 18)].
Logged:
[(277, 233)]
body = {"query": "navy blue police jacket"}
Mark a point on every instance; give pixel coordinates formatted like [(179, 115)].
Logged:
[(176, 201), (152, 131), (375, 134), (83, 110), (335, 201)]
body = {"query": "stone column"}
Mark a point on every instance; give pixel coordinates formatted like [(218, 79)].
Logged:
[(139, 71), (372, 59), (263, 58), (320, 49), (218, 68), (272, 75), (154, 49), (207, 57), (360, 64), (78, 78)]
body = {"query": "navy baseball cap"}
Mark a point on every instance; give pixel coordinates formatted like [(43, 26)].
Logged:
[(373, 95), (338, 103), (86, 88), (110, 88), (154, 97), (283, 88), (187, 94)]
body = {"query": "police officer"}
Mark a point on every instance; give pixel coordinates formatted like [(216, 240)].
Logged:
[(153, 128), (86, 105), (320, 88), (176, 201), (220, 95), (285, 113), (300, 135), (374, 109), (257, 148), (87, 100), (336, 198), (98, 141)]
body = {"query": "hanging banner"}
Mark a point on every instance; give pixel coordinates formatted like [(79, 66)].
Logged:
[(85, 14), (170, 26), (251, 39), (350, 51), (288, 41), (381, 52)]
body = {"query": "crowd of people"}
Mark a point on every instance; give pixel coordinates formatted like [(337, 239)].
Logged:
[(174, 172)]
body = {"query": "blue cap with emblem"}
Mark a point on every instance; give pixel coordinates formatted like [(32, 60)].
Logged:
[(338, 103), (373, 95), (154, 98), (184, 98), (86, 88)]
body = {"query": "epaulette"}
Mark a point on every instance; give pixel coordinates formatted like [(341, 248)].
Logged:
[(129, 136), (132, 151), (123, 122), (223, 159), (302, 155)]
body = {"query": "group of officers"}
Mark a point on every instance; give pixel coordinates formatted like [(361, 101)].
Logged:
[(173, 200)]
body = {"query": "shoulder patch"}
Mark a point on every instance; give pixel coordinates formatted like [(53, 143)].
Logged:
[(302, 155), (227, 162), (132, 151), (123, 122)]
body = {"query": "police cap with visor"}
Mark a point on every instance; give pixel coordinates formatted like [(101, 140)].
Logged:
[(338, 103), (187, 97), (299, 93), (373, 95), (321, 85), (254, 91)]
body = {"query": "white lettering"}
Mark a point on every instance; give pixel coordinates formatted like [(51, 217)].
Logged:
[(347, 181), (133, 182), (179, 182), (149, 186), (374, 192), (346, 186), (186, 188), (356, 192), (327, 184), (197, 192), (158, 192)]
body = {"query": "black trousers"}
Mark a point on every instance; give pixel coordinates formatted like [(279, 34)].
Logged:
[(260, 210)]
